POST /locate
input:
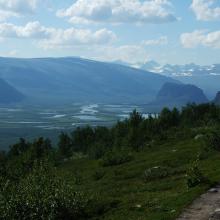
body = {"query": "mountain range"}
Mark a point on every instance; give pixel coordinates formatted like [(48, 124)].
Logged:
[(69, 79), (206, 77)]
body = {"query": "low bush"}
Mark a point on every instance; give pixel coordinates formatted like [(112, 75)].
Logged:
[(113, 158), (99, 174), (194, 176), (213, 140), (155, 173)]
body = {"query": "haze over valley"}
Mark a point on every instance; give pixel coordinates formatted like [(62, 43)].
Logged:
[(59, 94)]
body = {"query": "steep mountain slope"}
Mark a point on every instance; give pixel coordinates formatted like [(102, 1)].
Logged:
[(9, 94), (79, 80), (209, 83), (217, 99), (173, 94)]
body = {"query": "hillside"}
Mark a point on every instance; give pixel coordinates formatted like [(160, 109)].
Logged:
[(56, 80), (128, 195), (8, 94), (141, 168), (173, 94)]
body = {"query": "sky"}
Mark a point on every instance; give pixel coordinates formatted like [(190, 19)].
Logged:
[(132, 31)]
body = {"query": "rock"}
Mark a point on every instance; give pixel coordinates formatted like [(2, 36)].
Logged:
[(213, 190), (198, 137), (215, 215)]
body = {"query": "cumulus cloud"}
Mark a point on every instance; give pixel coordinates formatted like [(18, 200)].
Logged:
[(201, 37), (75, 37), (131, 53), (206, 10), (52, 37), (16, 8), (30, 30), (13, 53), (161, 41), (118, 11), (6, 14), (127, 53)]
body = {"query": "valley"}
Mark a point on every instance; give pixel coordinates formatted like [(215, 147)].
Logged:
[(33, 121)]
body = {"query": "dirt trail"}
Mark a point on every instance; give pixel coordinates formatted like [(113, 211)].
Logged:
[(206, 207)]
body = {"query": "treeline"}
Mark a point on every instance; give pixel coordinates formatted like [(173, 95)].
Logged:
[(134, 133), (137, 132)]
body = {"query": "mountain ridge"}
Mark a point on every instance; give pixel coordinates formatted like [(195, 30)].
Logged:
[(73, 79)]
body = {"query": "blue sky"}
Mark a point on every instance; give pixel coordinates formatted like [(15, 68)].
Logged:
[(134, 31)]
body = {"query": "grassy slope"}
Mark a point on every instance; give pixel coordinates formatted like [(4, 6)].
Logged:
[(160, 199)]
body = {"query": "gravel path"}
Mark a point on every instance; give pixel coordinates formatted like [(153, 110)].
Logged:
[(206, 207)]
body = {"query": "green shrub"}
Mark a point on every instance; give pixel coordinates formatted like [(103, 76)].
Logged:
[(99, 174), (155, 173), (213, 141), (114, 158), (41, 195), (194, 176), (97, 151)]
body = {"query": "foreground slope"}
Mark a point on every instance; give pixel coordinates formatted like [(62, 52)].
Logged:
[(126, 192), (141, 168), (79, 80)]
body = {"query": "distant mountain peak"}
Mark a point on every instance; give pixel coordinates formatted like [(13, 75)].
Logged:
[(206, 77)]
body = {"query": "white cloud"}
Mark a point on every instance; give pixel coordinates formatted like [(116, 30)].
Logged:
[(77, 37), (18, 6), (206, 10), (161, 41), (118, 11), (6, 14), (30, 30), (49, 38), (201, 37), (133, 53), (127, 53), (15, 8), (13, 53)]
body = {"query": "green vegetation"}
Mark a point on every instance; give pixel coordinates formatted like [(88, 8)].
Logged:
[(138, 169)]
